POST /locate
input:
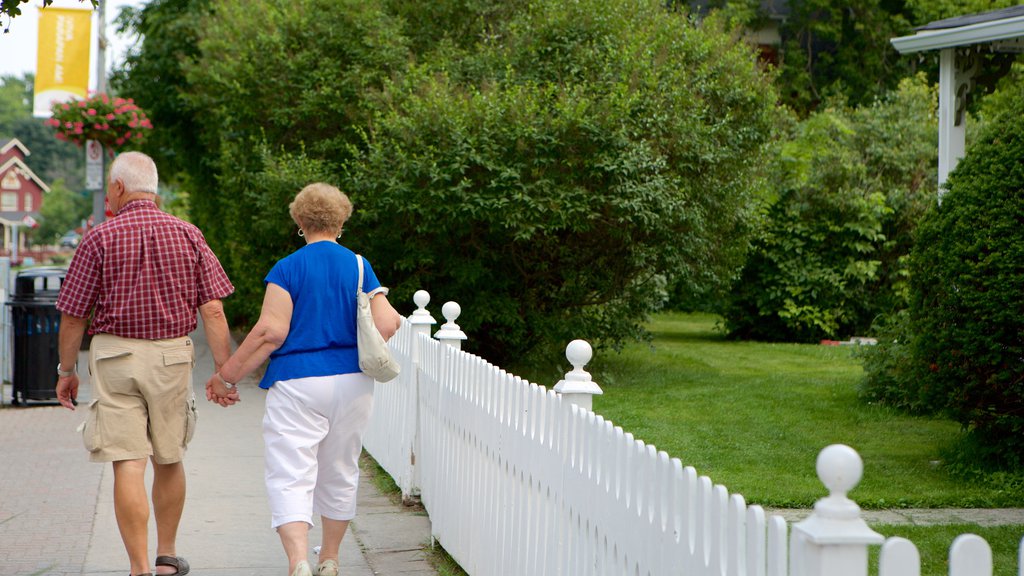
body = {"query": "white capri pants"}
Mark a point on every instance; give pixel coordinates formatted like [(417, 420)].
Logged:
[(312, 436)]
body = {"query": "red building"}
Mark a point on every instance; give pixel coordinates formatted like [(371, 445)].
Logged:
[(21, 192)]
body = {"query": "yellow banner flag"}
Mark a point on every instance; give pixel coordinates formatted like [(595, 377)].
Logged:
[(62, 65)]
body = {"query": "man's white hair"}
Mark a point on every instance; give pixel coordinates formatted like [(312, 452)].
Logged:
[(136, 170)]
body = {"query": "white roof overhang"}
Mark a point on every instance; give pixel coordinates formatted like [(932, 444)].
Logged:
[(995, 31)]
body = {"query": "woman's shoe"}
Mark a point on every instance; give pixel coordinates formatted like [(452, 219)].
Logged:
[(328, 567), (302, 569)]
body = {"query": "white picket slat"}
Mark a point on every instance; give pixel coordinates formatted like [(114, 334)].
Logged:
[(970, 555), (899, 557)]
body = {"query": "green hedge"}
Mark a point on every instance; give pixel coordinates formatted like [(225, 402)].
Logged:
[(968, 304)]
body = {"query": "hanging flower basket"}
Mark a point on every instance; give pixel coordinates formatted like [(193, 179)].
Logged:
[(116, 123)]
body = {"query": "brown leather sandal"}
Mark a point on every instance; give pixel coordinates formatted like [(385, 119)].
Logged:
[(176, 562)]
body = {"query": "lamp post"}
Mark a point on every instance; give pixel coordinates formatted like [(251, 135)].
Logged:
[(94, 162)]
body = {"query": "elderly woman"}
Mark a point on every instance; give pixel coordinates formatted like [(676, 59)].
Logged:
[(318, 402)]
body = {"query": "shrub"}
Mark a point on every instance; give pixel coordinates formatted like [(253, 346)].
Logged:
[(967, 270), (260, 230), (889, 364), (556, 181), (831, 256)]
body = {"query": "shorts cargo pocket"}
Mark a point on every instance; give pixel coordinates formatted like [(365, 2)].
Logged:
[(112, 364), (178, 357), (191, 416), (90, 428), (111, 353)]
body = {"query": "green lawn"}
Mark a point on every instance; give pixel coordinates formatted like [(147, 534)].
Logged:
[(753, 417)]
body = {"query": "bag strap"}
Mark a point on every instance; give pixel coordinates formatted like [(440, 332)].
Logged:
[(359, 259)]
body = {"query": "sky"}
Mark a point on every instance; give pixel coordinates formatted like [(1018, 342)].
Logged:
[(18, 47)]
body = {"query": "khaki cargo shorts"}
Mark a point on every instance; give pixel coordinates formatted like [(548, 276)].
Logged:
[(143, 404)]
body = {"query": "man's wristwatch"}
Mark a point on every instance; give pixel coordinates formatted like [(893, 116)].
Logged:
[(61, 373), (230, 386)]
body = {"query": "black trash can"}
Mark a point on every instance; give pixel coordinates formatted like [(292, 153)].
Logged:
[(35, 322)]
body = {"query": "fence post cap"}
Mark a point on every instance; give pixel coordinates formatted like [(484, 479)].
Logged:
[(450, 330), (421, 316), (839, 468), (836, 519), (578, 380)]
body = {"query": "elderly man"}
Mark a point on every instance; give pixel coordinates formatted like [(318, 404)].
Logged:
[(141, 276)]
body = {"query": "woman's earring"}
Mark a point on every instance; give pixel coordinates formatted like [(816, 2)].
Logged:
[(301, 232)]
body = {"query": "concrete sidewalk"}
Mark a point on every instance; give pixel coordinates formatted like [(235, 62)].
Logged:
[(57, 514)]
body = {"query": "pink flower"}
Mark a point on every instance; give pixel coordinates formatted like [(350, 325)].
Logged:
[(81, 103), (91, 111), (119, 141), (68, 125), (67, 107), (110, 116)]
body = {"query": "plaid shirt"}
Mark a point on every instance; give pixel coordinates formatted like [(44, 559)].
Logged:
[(143, 274)]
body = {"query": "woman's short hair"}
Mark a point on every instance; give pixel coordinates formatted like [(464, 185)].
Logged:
[(320, 207), (136, 170)]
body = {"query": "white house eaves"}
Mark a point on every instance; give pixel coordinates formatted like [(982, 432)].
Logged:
[(24, 170)]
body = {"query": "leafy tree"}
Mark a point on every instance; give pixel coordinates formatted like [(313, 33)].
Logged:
[(275, 82), (15, 99), (12, 8), (62, 210), (840, 48), (967, 270), (925, 11), (153, 74), (832, 255)]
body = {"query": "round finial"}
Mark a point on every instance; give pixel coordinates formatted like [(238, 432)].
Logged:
[(839, 468), (451, 311), (450, 332), (421, 298), (579, 353)]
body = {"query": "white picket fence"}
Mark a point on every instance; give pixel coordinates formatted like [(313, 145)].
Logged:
[(518, 479)]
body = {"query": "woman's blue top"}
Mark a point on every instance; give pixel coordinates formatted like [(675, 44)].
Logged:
[(321, 278)]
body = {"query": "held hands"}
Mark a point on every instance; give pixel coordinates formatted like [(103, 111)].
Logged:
[(217, 391)]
